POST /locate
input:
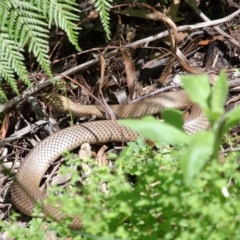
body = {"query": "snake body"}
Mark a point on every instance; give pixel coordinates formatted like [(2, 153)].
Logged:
[(25, 190)]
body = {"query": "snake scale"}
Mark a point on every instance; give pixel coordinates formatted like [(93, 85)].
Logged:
[(25, 190)]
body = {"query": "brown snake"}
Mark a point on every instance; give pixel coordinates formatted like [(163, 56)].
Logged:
[(25, 188)]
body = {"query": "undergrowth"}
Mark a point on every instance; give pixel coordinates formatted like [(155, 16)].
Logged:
[(178, 189)]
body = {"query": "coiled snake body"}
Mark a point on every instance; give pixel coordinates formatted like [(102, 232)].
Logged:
[(25, 188)]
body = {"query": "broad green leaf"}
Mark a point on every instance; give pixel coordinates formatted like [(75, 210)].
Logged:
[(198, 89), (219, 96), (156, 131), (173, 117), (231, 119), (199, 151)]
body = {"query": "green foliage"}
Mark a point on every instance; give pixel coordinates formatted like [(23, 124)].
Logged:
[(103, 7), (175, 190), (152, 130), (212, 103), (65, 14), (25, 24)]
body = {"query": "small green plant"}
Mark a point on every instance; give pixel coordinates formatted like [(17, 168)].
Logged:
[(211, 101), (175, 190)]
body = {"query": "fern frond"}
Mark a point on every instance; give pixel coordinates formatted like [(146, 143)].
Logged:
[(26, 23), (8, 74), (103, 7), (4, 11), (28, 26), (11, 59), (65, 15), (2, 93)]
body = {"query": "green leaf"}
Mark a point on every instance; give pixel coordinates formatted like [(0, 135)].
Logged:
[(199, 90), (156, 131), (230, 119), (173, 117), (219, 96), (199, 151)]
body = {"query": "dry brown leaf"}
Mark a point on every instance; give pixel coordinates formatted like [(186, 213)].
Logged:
[(145, 14), (190, 69), (130, 72), (181, 56), (4, 127), (102, 61), (180, 37), (172, 29)]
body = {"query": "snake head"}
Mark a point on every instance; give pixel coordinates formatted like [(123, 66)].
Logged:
[(56, 101)]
